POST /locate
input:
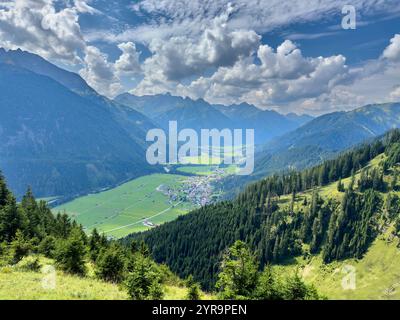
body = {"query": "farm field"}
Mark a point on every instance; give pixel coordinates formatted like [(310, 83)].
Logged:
[(199, 170), (128, 208), (206, 170)]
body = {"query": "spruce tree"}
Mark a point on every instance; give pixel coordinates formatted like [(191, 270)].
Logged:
[(143, 282), (269, 286), (193, 289), (20, 247), (110, 264), (11, 219), (70, 253), (239, 273)]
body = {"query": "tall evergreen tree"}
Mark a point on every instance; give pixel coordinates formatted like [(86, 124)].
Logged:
[(239, 273)]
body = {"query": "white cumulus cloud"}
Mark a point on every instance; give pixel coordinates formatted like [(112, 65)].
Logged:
[(37, 26), (392, 51), (99, 72), (104, 75), (128, 63)]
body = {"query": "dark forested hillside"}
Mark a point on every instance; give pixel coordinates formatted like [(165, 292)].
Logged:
[(285, 215), (62, 143), (38, 65)]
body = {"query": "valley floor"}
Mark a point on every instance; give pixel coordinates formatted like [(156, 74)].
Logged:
[(145, 202)]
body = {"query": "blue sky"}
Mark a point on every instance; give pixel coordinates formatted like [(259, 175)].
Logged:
[(291, 56)]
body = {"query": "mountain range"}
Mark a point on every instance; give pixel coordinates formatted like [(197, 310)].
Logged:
[(63, 138), (199, 114), (317, 140), (326, 136)]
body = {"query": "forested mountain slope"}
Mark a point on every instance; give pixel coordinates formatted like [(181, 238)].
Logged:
[(328, 134), (59, 142), (318, 140), (335, 210)]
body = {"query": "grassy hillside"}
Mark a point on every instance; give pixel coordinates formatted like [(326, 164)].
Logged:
[(330, 191), (377, 274), (16, 283)]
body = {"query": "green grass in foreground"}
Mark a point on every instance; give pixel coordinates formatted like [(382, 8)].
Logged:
[(16, 284), (120, 211)]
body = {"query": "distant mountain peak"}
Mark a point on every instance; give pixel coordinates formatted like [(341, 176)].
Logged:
[(39, 65)]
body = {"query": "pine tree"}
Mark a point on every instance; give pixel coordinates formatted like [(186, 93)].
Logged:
[(11, 219), (353, 179), (47, 246), (20, 247), (393, 183), (94, 244), (4, 192), (30, 207), (63, 225), (340, 186), (70, 253), (193, 289), (296, 289), (269, 286), (110, 264), (144, 249), (292, 201), (239, 273), (144, 280)]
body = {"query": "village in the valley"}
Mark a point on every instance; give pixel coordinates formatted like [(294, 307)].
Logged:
[(197, 190)]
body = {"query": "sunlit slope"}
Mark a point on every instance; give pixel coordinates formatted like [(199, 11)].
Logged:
[(19, 284), (376, 274)]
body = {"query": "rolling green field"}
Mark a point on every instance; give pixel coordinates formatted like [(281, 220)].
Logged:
[(206, 170), (122, 210)]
